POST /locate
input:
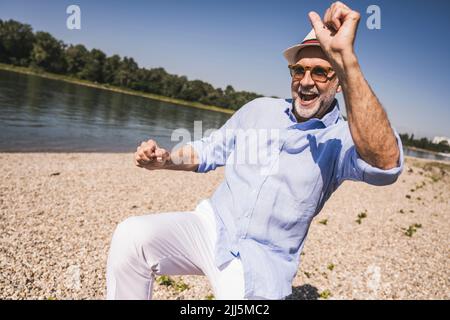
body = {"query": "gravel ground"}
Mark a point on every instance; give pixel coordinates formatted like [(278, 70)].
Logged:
[(58, 213)]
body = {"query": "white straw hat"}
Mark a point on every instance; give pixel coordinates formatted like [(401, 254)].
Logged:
[(291, 53)]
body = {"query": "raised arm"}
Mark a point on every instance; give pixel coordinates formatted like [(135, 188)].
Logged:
[(368, 122)]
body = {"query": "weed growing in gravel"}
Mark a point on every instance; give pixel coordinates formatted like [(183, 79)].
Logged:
[(435, 170), (165, 281), (435, 178), (325, 294), (419, 186), (412, 229), (361, 216), (181, 286), (169, 282)]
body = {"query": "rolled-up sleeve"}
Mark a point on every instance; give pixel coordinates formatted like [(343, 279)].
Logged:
[(353, 167), (213, 150)]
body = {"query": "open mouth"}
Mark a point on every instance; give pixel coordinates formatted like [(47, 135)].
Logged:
[(307, 99)]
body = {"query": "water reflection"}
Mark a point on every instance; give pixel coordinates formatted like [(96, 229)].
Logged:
[(38, 114), (424, 154)]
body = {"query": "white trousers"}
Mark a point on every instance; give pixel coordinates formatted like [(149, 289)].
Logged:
[(172, 243)]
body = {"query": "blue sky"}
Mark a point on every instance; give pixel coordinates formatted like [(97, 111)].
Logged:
[(241, 43)]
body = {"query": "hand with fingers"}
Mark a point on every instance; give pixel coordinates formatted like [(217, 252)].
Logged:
[(150, 156), (336, 32)]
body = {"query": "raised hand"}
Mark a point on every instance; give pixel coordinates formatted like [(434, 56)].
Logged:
[(337, 31)]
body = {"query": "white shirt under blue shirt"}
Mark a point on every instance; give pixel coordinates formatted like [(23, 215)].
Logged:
[(264, 208)]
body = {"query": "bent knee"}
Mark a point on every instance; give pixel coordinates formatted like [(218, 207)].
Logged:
[(131, 243), (138, 233), (131, 230)]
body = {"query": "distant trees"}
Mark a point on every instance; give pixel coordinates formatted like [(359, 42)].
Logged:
[(76, 57), (16, 42), (93, 66), (48, 53), (424, 143), (110, 68), (20, 46), (126, 75)]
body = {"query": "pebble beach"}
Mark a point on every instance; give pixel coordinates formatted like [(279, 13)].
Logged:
[(58, 212)]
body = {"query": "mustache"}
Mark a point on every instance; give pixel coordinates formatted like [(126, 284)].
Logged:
[(307, 92)]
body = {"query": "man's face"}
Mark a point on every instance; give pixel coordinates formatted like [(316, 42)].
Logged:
[(312, 99)]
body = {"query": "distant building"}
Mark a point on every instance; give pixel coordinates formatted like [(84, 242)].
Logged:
[(438, 140)]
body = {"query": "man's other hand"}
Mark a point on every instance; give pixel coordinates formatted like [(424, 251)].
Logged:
[(150, 156)]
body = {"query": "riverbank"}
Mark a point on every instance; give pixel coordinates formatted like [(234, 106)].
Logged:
[(429, 151), (69, 79), (59, 210), (431, 156)]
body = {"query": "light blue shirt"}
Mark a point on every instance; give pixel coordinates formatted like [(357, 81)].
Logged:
[(264, 209)]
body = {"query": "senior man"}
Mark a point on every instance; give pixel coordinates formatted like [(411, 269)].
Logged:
[(247, 238)]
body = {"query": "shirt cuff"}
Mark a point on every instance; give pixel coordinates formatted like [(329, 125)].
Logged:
[(198, 148), (380, 177)]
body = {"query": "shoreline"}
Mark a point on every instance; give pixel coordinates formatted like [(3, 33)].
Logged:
[(425, 150), (52, 76)]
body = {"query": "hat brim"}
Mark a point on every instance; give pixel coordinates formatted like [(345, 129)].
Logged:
[(291, 53)]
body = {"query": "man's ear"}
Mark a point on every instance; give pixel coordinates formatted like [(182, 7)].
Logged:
[(339, 88)]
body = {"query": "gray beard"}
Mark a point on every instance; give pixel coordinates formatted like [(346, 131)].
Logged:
[(305, 114), (312, 113)]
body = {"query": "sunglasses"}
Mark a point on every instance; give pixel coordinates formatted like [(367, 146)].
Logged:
[(318, 73)]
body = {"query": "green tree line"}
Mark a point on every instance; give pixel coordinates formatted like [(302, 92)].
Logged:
[(20, 46), (424, 143)]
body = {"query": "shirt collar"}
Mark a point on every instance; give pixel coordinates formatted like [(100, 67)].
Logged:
[(327, 120)]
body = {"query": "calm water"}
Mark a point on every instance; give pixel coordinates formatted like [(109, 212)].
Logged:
[(38, 114), (424, 155)]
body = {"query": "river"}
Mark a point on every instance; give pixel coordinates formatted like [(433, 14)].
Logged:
[(39, 114)]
